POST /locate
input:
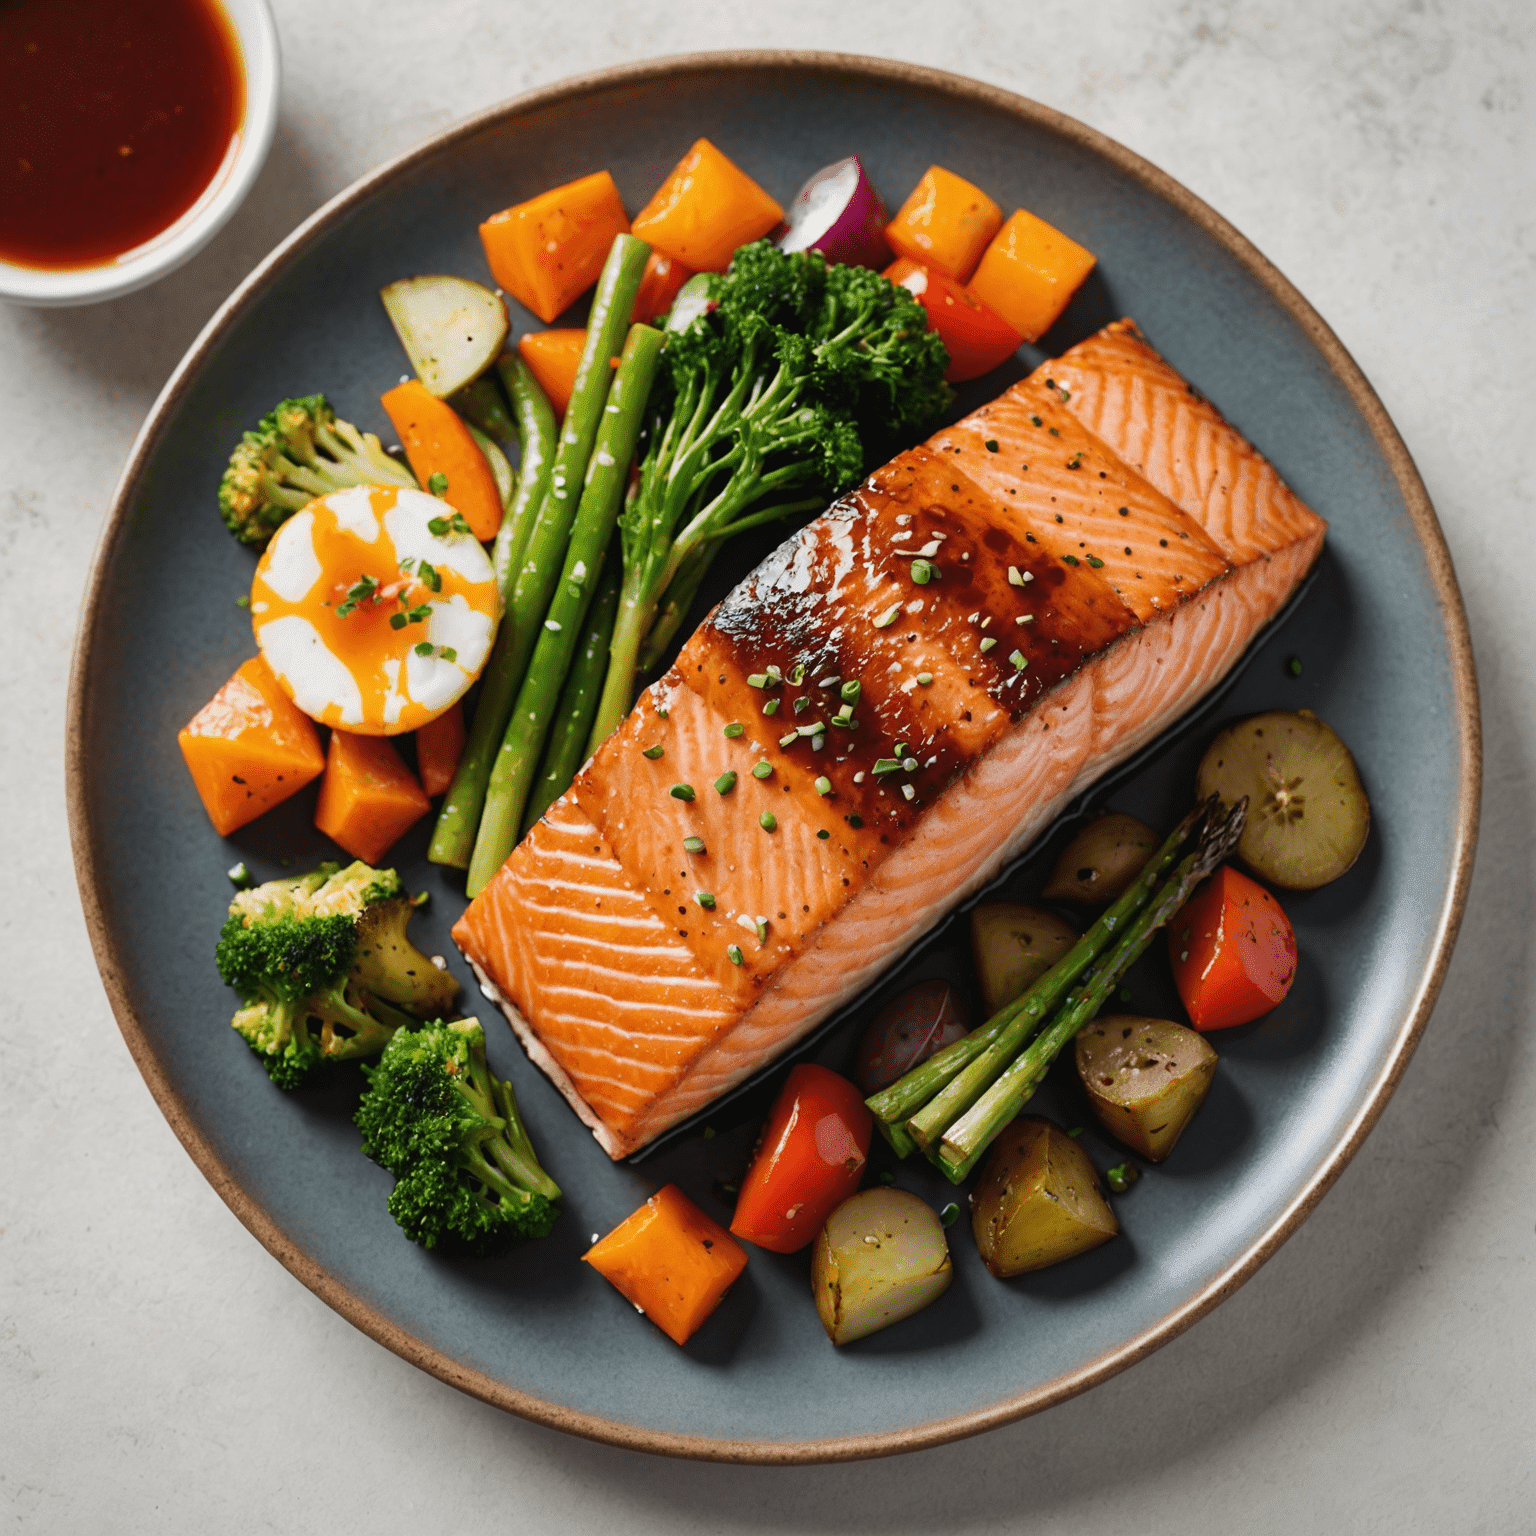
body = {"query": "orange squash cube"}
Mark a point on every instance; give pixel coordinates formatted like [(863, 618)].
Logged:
[(670, 1260), (705, 209), (368, 798), (249, 748), (658, 287), (439, 745), (945, 224), (548, 251), (553, 358), (1029, 273)]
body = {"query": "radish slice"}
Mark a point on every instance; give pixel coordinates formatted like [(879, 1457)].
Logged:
[(452, 329), (839, 213)]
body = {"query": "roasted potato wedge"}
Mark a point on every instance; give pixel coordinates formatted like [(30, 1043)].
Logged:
[(881, 1256), (1014, 946), (1308, 815), (1038, 1200), (1145, 1079), (1102, 860)]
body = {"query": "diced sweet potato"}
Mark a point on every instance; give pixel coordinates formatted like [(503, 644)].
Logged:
[(439, 746), (705, 209), (658, 287), (552, 358), (548, 251), (437, 442), (249, 748), (368, 799), (671, 1260), (945, 224), (1029, 273)]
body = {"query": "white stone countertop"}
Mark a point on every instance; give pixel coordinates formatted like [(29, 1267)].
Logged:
[(160, 1372)]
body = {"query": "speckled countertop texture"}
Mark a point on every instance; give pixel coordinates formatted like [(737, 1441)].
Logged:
[(160, 1372)]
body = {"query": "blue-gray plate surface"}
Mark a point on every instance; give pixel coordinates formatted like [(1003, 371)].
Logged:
[(1383, 653)]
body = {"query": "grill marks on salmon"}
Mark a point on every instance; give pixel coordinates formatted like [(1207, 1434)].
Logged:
[(1125, 603)]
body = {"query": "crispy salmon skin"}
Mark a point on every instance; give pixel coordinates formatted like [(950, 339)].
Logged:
[(880, 716)]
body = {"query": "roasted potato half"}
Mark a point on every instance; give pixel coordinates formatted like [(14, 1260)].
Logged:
[(1038, 1201), (1013, 946), (1102, 860), (1308, 815), (1145, 1079), (881, 1256)]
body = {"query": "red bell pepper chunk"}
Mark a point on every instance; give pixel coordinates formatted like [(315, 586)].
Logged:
[(809, 1160), (977, 340), (1233, 951)]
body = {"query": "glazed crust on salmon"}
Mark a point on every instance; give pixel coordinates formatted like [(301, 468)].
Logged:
[(1101, 546)]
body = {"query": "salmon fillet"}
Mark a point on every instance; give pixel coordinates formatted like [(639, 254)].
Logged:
[(1103, 546)]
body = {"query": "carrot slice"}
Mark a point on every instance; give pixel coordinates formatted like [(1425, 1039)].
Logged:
[(550, 250), (249, 748), (658, 287), (1029, 274), (439, 745), (437, 442), (552, 358), (705, 209), (368, 798), (945, 224), (671, 1260)]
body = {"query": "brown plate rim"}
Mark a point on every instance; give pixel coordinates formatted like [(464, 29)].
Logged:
[(336, 1294)]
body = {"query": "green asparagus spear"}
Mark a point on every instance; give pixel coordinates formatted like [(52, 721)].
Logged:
[(532, 570), (607, 474), (536, 430), (907, 1095), (969, 1136), (566, 749)]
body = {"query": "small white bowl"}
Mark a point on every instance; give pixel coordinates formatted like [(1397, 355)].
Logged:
[(251, 22)]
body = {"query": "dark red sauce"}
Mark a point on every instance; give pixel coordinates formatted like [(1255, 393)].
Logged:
[(114, 116)]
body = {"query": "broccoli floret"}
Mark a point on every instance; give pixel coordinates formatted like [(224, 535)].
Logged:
[(466, 1174), (306, 957), (297, 452)]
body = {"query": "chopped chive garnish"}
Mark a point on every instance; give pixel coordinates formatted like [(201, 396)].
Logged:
[(850, 691), (768, 822), (681, 791), (661, 713), (855, 821), (901, 749), (774, 674), (449, 654), (734, 955), (797, 676), (884, 765), (771, 707), (733, 730), (438, 484), (1293, 666), (396, 620), (705, 899), (1121, 1177), (988, 643), (924, 571), (240, 876), (844, 717), (726, 782), (925, 679), (815, 728), (790, 739), (1019, 660), (817, 743), (761, 770), (653, 752), (823, 834), (429, 574), (909, 765), (423, 647), (823, 785), (1075, 462), (757, 680), (950, 1214), (1035, 421), (990, 445), (693, 844), (761, 925), (802, 704), (243, 601), (1070, 559), (888, 617), (1095, 562)]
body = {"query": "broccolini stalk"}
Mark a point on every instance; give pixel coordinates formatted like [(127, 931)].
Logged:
[(785, 379), (969, 1136), (607, 473)]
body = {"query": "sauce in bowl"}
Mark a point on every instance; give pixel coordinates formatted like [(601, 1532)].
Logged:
[(115, 116)]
